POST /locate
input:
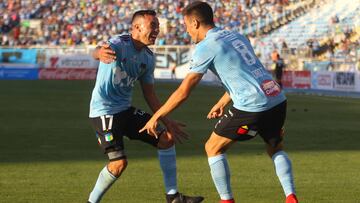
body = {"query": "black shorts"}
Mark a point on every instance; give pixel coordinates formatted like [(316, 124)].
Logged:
[(241, 125), (110, 130)]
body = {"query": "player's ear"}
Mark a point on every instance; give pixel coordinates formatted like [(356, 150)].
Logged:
[(137, 27), (196, 23)]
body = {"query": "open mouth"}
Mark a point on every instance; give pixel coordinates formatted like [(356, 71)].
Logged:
[(153, 37)]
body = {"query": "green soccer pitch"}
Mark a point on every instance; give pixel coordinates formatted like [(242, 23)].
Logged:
[(49, 153)]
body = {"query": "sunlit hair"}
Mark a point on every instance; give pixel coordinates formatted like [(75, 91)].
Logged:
[(142, 13), (202, 11)]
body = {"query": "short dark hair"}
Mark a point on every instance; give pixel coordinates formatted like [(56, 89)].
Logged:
[(143, 13), (201, 10)]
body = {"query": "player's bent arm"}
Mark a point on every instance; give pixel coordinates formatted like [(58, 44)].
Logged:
[(224, 100), (180, 94), (218, 109), (151, 99), (176, 98)]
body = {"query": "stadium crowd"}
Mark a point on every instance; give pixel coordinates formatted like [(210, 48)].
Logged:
[(87, 22)]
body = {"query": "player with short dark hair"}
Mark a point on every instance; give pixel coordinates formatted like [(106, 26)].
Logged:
[(112, 115), (202, 12), (259, 105)]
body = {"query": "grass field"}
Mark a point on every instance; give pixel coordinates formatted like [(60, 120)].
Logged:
[(48, 151)]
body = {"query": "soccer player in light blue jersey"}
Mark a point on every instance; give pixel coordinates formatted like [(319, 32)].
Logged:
[(113, 117), (259, 105)]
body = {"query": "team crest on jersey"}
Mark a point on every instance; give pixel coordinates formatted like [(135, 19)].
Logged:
[(124, 60), (270, 88), (142, 68)]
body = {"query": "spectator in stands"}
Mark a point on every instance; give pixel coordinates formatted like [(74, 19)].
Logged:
[(309, 44), (279, 66), (284, 48), (335, 19), (80, 22), (315, 47)]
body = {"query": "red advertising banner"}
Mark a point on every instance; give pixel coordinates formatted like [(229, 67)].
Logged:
[(302, 79), (67, 74), (70, 61), (287, 79), (297, 79)]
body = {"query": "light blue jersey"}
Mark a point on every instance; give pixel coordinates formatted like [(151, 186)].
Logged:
[(230, 56), (114, 82)]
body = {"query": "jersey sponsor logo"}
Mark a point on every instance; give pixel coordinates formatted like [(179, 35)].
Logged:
[(122, 79), (270, 88)]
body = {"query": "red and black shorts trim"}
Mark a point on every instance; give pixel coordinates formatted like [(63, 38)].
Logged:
[(110, 130), (242, 125)]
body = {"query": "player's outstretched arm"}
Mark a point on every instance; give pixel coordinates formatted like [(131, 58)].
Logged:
[(218, 109), (104, 53), (173, 127), (175, 100)]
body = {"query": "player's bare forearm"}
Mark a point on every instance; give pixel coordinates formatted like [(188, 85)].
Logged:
[(174, 128), (174, 101), (150, 96), (224, 100), (179, 96), (152, 100), (218, 109)]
